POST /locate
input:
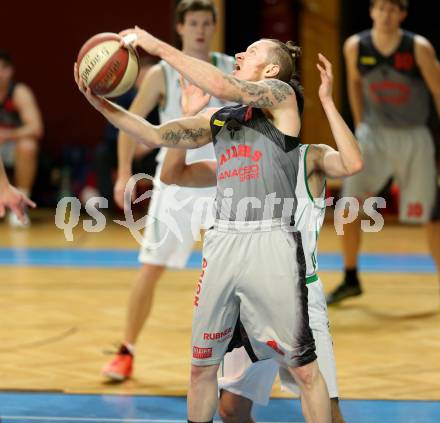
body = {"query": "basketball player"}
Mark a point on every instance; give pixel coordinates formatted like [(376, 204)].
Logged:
[(391, 73), (12, 198), (21, 127), (253, 260), (244, 382), (196, 21)]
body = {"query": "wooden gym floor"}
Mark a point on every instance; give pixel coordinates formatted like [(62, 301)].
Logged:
[(58, 320)]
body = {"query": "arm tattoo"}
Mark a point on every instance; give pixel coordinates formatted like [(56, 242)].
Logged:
[(261, 93), (175, 136)]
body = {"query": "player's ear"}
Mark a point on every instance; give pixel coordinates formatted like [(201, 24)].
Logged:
[(179, 28), (271, 70)]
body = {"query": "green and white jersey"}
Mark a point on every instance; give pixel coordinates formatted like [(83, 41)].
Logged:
[(171, 108), (309, 216)]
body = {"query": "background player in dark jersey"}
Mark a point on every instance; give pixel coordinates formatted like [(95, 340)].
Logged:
[(20, 128), (11, 198), (263, 81), (391, 73)]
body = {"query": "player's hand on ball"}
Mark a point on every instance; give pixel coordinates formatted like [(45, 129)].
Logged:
[(137, 37), (325, 69), (95, 101)]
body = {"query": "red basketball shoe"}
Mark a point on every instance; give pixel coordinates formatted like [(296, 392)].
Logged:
[(120, 367)]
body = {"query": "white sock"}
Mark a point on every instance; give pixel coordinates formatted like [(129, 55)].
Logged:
[(130, 347)]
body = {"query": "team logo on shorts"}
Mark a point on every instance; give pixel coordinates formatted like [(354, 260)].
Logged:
[(202, 353), (272, 344)]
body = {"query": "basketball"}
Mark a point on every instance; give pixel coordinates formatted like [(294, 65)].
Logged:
[(107, 67)]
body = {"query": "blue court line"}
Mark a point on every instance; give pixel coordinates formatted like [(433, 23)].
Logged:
[(59, 408), (106, 258)]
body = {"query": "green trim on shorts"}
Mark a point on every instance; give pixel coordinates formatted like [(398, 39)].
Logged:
[(311, 279)]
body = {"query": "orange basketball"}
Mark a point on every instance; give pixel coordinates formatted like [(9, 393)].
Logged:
[(108, 68)]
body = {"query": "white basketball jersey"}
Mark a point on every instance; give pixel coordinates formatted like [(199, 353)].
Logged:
[(309, 215), (171, 109)]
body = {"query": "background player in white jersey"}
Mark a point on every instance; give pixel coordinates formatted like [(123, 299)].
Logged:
[(391, 73), (196, 21), (243, 382), (266, 119)]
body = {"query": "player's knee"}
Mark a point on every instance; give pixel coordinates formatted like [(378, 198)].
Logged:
[(151, 273), (229, 415), (306, 375), (226, 413), (201, 374), (234, 411)]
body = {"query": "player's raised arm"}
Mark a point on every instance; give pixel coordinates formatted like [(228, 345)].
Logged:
[(187, 133), (348, 159), (267, 93)]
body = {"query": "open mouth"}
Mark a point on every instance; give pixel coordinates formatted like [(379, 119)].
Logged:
[(237, 67)]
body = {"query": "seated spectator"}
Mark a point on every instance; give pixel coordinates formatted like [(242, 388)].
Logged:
[(21, 127)]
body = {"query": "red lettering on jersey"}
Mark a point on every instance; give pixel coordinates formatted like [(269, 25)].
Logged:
[(415, 210), (390, 92), (257, 156), (245, 173), (9, 105), (403, 61), (244, 150), (223, 160)]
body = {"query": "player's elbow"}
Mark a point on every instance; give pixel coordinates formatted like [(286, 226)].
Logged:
[(354, 167), (168, 177), (152, 138)]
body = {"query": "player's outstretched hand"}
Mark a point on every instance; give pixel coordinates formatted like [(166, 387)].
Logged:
[(193, 98), (137, 37), (12, 198), (96, 101), (325, 69)]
